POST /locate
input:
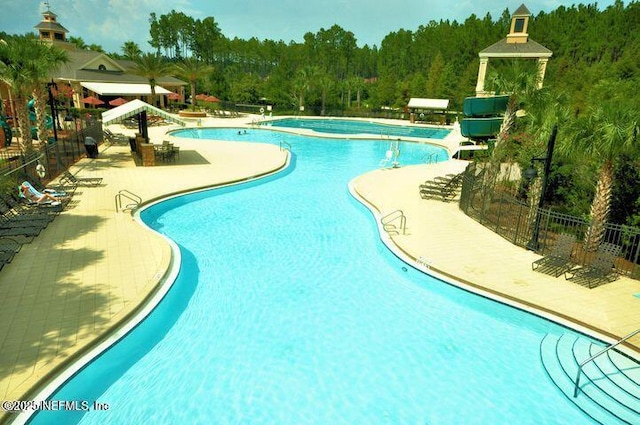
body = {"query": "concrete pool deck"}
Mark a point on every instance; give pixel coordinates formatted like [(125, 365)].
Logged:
[(92, 267)]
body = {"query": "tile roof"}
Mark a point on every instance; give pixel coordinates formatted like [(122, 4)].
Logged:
[(531, 49)]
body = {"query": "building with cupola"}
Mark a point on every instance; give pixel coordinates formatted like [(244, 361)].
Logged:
[(96, 74)]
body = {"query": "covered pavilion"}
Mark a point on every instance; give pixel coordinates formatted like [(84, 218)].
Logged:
[(516, 45)]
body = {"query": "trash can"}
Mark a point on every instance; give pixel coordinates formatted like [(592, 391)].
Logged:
[(132, 143), (91, 146)]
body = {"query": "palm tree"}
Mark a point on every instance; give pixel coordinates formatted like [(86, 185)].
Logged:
[(24, 60), (16, 77), (192, 69), (27, 64), (49, 58), (355, 83), (325, 82), (151, 66), (79, 42), (519, 82), (544, 111), (302, 83), (130, 50), (603, 133)]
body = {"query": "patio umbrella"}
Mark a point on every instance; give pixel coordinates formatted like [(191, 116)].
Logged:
[(92, 100), (211, 99), (118, 101), (201, 96)]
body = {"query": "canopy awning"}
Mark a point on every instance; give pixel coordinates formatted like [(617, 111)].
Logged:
[(421, 103), (134, 107), (122, 89)]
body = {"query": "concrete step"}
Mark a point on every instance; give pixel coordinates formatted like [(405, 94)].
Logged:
[(558, 354)]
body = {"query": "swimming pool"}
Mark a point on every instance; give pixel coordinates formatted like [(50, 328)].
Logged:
[(288, 309), (343, 126), (410, 153)]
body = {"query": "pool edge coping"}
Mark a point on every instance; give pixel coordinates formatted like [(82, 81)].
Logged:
[(480, 290), (53, 380)]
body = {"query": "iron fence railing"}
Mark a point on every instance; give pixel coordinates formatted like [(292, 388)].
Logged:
[(497, 207), (55, 156)]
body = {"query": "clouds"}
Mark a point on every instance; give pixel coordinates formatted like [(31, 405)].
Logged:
[(110, 23)]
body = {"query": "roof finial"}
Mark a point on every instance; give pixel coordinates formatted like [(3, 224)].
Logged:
[(46, 3)]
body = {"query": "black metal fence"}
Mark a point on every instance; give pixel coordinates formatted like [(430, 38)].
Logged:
[(54, 156), (497, 207)]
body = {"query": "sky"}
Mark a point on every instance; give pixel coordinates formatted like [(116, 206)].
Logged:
[(110, 23)]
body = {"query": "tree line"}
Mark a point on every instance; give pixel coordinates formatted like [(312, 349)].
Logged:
[(590, 89), (590, 92), (437, 60)]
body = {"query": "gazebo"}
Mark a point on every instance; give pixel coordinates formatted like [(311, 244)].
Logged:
[(516, 45), (421, 105)]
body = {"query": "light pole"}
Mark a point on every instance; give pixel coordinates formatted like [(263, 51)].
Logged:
[(531, 173), (52, 105)]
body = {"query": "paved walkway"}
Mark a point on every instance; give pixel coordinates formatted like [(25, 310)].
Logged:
[(454, 245), (89, 270), (92, 266)]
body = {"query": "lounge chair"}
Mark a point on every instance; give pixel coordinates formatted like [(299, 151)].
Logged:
[(444, 188), (5, 258), (35, 197), (63, 188), (27, 232), (9, 223), (600, 270), (19, 214), (115, 138), (70, 179), (558, 260), (22, 207), (9, 247), (18, 220)]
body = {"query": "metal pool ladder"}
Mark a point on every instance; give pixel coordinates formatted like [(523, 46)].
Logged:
[(576, 388), (389, 220), (133, 199), (285, 146)]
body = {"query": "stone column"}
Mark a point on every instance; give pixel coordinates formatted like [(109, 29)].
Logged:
[(482, 73), (542, 68)]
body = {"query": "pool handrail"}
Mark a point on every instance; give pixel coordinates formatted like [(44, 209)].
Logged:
[(285, 146), (124, 193), (576, 388), (392, 216)]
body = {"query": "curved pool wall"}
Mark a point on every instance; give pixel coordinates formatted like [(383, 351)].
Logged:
[(343, 127), (411, 151), (88, 378), (371, 341)]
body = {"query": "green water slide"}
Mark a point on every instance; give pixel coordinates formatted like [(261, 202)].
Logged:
[(32, 117), (480, 128), (5, 129), (485, 106), (483, 116)]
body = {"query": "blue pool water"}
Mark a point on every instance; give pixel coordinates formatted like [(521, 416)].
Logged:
[(338, 126), (411, 153), (289, 310)]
